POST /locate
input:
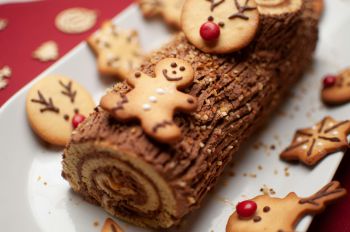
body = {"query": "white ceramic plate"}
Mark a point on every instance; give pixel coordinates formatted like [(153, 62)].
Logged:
[(34, 197)]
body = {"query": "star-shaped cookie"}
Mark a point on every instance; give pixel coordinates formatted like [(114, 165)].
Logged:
[(310, 145), (118, 51)]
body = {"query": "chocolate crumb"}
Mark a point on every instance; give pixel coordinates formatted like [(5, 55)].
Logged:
[(137, 74), (266, 209)]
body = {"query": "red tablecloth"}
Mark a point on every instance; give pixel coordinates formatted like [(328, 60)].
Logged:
[(31, 24)]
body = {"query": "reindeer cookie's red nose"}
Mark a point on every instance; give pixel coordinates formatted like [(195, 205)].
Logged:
[(246, 209), (77, 119), (209, 31)]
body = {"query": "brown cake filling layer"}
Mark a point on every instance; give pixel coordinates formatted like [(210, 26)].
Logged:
[(124, 205)]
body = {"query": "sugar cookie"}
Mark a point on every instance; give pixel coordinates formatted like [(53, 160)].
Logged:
[(281, 214), (118, 51), (336, 89), (220, 26), (76, 20), (111, 226), (169, 10), (47, 51), (55, 105), (153, 100), (310, 145)]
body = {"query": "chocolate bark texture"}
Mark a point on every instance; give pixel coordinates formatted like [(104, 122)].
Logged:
[(139, 180)]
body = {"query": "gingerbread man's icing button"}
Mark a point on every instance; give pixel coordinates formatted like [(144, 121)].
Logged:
[(336, 89), (220, 26), (310, 145), (283, 214), (155, 105), (277, 7)]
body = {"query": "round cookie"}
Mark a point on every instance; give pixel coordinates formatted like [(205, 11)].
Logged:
[(336, 89), (75, 20), (54, 104), (276, 7), (236, 20)]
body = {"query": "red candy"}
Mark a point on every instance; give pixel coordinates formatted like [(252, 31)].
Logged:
[(209, 31), (329, 81), (77, 119), (246, 209)]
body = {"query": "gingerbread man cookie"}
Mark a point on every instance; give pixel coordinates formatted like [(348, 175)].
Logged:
[(220, 26), (111, 226), (169, 10), (310, 145), (153, 100), (267, 214), (118, 51), (277, 7), (55, 106), (336, 89)]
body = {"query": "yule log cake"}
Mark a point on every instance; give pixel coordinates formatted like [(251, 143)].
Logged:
[(242, 56)]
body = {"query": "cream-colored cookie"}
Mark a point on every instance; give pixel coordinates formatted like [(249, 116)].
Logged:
[(5, 74), (154, 100), (47, 51), (281, 214), (55, 105), (111, 226), (310, 145), (276, 7), (220, 26), (118, 51), (336, 89), (76, 20), (169, 10)]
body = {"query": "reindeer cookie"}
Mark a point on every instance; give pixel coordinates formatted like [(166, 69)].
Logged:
[(169, 10), (111, 226), (55, 106), (118, 51), (267, 214), (336, 89), (153, 100), (220, 26), (310, 145), (278, 7)]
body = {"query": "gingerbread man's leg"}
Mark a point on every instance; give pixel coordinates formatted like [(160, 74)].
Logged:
[(164, 130)]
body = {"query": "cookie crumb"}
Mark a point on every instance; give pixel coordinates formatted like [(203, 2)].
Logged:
[(3, 24), (96, 223), (5, 74)]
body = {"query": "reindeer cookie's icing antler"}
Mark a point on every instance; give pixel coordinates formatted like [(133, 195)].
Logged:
[(328, 193), (281, 214)]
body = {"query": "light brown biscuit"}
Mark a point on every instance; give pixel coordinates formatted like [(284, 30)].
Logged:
[(276, 7), (111, 226), (75, 20), (118, 51), (282, 214), (169, 10), (310, 145), (54, 104), (338, 92), (236, 20), (154, 100), (3, 24), (318, 6), (47, 51), (5, 74)]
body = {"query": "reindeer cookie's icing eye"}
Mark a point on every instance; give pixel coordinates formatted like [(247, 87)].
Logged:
[(220, 26)]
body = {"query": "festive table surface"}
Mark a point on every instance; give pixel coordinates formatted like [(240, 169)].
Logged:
[(31, 24)]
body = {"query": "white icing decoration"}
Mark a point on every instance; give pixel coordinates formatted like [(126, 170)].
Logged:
[(146, 107), (152, 99), (160, 91)]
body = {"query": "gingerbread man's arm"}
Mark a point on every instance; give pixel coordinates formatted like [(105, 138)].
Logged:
[(185, 102), (318, 201), (137, 78)]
